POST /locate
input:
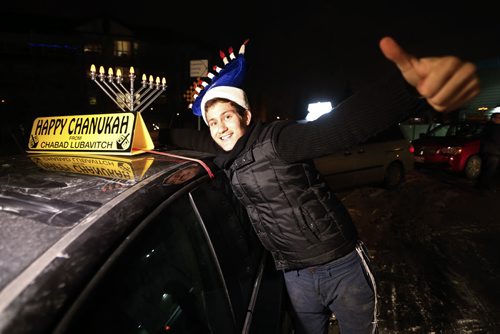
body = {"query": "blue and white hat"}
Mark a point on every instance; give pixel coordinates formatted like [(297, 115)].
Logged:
[(226, 83)]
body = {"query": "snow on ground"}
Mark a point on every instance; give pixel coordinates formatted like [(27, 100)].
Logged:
[(435, 243)]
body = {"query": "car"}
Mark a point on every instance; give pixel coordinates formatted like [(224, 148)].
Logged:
[(154, 243), (382, 160), (452, 147)]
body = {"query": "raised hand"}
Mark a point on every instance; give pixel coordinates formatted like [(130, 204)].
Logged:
[(446, 82)]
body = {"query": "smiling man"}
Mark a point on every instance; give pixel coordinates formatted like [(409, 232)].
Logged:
[(296, 216)]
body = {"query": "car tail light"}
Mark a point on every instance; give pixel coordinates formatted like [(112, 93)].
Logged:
[(451, 150)]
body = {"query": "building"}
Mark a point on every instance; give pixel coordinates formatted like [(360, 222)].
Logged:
[(45, 70)]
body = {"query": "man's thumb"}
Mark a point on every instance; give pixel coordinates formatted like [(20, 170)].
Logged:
[(392, 51)]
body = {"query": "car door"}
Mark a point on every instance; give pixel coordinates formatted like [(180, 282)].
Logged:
[(367, 162), (255, 288), (189, 267), (337, 168)]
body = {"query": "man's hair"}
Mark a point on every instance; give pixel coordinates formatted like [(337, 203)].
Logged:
[(239, 109)]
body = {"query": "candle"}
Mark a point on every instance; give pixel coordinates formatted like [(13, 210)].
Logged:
[(223, 57)]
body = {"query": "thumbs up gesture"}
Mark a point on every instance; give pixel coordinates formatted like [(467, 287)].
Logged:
[(446, 82)]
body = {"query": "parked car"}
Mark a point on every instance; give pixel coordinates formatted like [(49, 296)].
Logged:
[(453, 147), (383, 160), (143, 244)]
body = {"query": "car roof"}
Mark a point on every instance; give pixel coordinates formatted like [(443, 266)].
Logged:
[(47, 201)]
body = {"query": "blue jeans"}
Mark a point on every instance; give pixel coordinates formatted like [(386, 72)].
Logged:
[(344, 287)]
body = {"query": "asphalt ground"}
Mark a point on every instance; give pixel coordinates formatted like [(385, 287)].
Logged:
[(434, 244)]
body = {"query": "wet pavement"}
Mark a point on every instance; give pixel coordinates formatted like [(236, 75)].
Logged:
[(435, 245)]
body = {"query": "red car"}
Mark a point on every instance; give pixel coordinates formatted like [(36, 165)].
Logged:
[(452, 147)]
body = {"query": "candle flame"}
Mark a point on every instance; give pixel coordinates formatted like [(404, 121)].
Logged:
[(101, 70), (158, 80), (118, 73), (151, 78), (144, 77), (132, 71), (92, 68), (110, 71), (163, 81)]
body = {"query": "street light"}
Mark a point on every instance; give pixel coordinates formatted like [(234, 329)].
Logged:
[(317, 109)]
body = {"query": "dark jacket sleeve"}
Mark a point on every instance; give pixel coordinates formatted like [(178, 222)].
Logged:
[(361, 116), (191, 139)]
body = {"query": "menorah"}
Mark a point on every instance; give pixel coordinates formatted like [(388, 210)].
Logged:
[(125, 98)]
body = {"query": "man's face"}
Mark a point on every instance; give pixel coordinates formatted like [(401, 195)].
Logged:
[(496, 118), (226, 125)]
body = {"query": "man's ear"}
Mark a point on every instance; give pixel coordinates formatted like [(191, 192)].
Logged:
[(248, 117)]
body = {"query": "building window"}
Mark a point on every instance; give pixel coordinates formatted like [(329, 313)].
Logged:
[(92, 48), (136, 48), (122, 48)]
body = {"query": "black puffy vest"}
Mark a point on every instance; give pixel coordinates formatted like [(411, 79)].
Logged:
[(294, 213)]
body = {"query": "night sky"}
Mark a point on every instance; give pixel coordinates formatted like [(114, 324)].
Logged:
[(311, 49), (324, 26)]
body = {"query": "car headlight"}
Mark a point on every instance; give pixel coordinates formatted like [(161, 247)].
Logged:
[(451, 150)]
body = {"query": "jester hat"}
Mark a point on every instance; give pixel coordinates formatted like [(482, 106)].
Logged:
[(226, 83)]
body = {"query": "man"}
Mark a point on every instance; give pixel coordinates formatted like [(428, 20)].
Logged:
[(490, 152), (294, 213)]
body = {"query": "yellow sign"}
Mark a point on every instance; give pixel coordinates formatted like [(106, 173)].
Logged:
[(132, 168), (117, 133)]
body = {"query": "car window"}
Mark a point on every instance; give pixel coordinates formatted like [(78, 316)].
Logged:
[(233, 238), (468, 130), (392, 133), (165, 280), (439, 131), (464, 130)]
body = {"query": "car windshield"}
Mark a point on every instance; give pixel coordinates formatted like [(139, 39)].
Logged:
[(463, 130)]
